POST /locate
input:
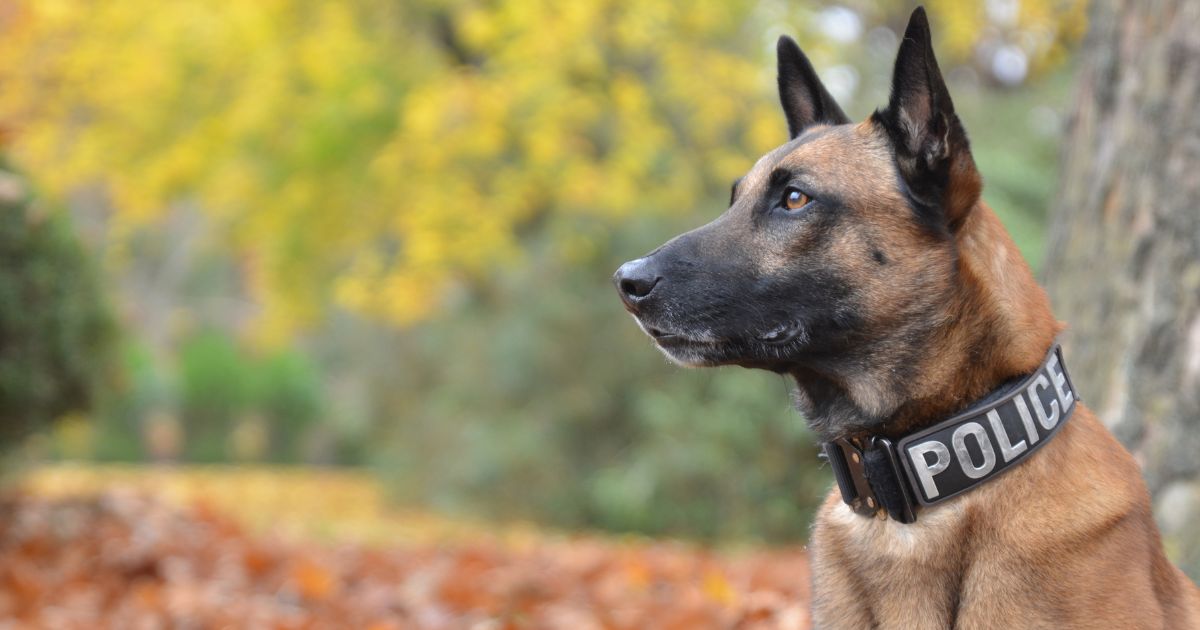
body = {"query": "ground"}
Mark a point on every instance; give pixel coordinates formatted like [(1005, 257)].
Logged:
[(137, 548)]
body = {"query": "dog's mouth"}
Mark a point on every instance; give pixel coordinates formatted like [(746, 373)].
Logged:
[(688, 350), (659, 334), (776, 336), (664, 336), (703, 348)]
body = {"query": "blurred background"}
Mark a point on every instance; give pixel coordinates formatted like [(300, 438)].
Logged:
[(300, 239)]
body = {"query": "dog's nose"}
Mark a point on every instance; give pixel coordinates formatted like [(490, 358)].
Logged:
[(635, 280)]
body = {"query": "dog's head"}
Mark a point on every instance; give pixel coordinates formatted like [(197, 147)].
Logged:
[(836, 246)]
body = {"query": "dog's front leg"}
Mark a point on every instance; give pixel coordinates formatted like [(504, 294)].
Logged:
[(839, 598), (838, 602)]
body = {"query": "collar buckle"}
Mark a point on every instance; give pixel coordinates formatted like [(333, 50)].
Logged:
[(871, 479)]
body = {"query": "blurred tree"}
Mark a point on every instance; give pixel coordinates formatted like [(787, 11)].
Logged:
[(214, 384), (222, 387), (288, 395), (1123, 261), (55, 330), (381, 153)]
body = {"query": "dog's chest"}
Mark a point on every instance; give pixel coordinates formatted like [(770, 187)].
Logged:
[(867, 570), (940, 572), (938, 532)]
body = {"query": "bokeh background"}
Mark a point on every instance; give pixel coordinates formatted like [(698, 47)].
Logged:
[(284, 250)]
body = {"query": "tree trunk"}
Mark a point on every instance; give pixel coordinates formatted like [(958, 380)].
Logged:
[(1123, 260)]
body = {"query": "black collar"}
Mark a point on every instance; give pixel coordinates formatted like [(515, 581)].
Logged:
[(880, 478)]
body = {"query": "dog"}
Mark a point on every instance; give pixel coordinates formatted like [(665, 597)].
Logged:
[(974, 489)]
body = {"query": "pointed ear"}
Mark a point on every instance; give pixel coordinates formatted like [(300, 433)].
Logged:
[(805, 100), (932, 150)]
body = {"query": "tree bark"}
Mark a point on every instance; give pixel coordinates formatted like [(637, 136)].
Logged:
[(1123, 259)]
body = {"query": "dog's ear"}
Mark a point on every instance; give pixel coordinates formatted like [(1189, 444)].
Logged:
[(932, 151), (805, 100)]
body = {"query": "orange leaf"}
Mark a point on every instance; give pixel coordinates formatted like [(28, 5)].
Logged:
[(313, 580)]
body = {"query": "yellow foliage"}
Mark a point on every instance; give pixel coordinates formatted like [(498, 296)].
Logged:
[(375, 152)]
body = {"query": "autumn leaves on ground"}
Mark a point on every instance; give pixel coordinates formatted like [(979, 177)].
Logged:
[(180, 548)]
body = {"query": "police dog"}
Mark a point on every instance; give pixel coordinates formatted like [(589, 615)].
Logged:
[(860, 260)]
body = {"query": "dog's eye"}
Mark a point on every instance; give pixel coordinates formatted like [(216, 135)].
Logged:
[(794, 199)]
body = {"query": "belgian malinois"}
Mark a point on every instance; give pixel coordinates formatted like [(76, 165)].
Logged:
[(860, 260)]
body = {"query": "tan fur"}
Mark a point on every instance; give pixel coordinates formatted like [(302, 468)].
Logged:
[(1065, 540)]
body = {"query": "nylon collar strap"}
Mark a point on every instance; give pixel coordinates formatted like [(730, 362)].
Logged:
[(884, 479)]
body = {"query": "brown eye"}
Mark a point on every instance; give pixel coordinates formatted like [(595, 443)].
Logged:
[(794, 199)]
